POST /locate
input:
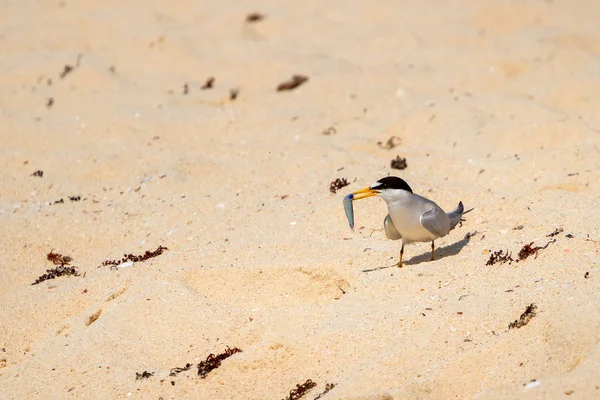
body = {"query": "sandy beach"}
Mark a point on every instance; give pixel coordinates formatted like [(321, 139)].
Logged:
[(115, 142)]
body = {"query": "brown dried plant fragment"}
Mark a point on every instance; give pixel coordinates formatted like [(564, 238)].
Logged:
[(524, 319), (130, 257), (214, 362), (338, 184), (292, 83), (300, 390), (399, 163)]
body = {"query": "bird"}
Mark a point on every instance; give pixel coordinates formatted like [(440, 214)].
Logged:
[(411, 218)]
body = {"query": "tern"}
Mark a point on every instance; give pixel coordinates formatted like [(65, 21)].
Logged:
[(411, 218)]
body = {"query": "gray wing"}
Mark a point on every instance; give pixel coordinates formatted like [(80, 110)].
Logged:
[(435, 221), (390, 230)]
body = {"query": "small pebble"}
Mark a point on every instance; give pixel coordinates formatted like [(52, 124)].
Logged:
[(125, 264), (532, 384)]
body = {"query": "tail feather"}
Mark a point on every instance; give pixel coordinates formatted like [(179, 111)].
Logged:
[(456, 215)]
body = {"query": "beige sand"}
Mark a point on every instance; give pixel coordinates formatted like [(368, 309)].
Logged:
[(496, 104)]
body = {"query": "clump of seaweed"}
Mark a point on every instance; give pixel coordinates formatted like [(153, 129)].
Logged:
[(390, 143), (130, 257), (56, 272), (328, 387), (399, 163), (292, 83), (63, 267), (527, 250), (254, 17), (143, 375), (338, 184), (555, 232), (500, 257), (301, 390), (177, 370), (524, 319), (58, 259), (214, 361)]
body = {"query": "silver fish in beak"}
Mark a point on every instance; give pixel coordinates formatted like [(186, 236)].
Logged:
[(348, 208)]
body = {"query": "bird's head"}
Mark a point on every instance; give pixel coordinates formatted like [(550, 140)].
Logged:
[(388, 188)]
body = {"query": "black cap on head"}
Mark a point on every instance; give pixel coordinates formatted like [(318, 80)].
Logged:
[(391, 182)]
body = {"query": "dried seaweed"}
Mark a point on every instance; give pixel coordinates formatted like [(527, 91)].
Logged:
[(328, 387), (213, 362), (399, 163), (143, 375), (50, 102), (39, 173), (292, 83), (391, 143), (329, 131), (208, 84), (555, 232), (58, 259), (233, 93), (338, 184), (254, 17), (500, 257), (67, 69), (301, 390), (130, 257), (526, 251), (524, 319), (74, 198), (176, 370), (56, 272)]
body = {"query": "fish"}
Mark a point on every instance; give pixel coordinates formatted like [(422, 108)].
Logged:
[(349, 209)]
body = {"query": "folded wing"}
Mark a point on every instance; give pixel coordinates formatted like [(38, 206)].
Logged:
[(390, 230)]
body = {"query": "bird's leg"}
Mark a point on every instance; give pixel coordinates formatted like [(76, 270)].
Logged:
[(401, 253), (432, 250)]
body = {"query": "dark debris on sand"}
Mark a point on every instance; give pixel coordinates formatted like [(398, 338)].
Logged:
[(254, 17), (398, 163), (501, 257), (338, 184), (390, 143), (143, 375), (61, 270), (58, 259), (177, 370), (328, 387), (130, 257), (300, 390), (524, 319), (214, 361), (292, 83)]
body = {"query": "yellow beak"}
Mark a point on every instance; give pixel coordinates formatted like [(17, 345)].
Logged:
[(364, 193)]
